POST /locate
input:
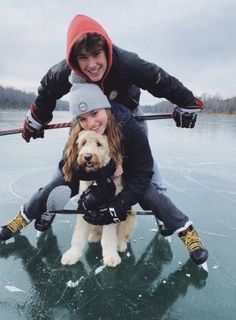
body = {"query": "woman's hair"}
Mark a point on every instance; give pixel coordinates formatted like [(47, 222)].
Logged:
[(90, 42), (114, 137)]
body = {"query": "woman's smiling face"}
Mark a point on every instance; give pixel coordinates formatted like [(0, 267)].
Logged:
[(95, 120)]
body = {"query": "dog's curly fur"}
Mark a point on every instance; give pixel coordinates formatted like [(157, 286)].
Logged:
[(92, 154)]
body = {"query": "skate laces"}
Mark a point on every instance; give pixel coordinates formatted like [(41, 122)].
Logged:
[(191, 239), (17, 224)]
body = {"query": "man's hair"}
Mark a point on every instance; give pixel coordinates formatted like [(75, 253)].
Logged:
[(90, 42)]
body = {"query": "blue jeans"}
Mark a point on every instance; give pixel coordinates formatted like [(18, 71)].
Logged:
[(56, 194)]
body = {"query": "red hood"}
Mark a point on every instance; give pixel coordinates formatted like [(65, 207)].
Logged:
[(80, 25)]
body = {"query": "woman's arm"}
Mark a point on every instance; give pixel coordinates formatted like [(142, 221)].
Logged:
[(137, 163)]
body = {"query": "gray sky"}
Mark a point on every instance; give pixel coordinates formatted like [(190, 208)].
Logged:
[(192, 40)]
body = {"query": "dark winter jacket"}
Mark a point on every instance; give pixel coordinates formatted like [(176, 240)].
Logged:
[(126, 74), (137, 157)]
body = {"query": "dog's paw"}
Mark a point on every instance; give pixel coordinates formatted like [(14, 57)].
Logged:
[(94, 237), (71, 256), (111, 259), (122, 246)]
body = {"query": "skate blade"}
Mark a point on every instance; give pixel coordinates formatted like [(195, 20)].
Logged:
[(204, 266)]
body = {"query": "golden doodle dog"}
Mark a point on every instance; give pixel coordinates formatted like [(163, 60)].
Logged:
[(93, 153)]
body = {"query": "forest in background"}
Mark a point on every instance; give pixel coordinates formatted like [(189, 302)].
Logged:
[(213, 104), (11, 98)]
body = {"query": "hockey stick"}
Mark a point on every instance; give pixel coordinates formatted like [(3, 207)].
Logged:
[(70, 211), (47, 127), (157, 116)]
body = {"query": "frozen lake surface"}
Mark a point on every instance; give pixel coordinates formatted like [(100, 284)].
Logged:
[(155, 279)]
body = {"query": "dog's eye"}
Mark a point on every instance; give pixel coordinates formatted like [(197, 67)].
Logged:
[(99, 144)]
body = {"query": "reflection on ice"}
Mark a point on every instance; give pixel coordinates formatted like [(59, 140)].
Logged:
[(153, 281)]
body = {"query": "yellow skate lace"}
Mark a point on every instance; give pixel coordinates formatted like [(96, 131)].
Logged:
[(17, 224), (191, 240)]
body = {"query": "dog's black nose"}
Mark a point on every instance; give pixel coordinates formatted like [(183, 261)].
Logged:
[(87, 157)]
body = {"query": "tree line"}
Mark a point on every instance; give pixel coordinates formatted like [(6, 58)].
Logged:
[(11, 98), (213, 104)]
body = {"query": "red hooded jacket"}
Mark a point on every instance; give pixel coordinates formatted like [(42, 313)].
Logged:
[(80, 25)]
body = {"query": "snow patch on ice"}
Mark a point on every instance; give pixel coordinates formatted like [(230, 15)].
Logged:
[(216, 267), (13, 289), (169, 239), (73, 284), (64, 221), (99, 269)]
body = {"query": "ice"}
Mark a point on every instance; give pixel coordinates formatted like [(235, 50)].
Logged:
[(13, 289), (199, 169), (99, 269), (73, 284)]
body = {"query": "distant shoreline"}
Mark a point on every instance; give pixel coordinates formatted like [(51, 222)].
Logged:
[(146, 113)]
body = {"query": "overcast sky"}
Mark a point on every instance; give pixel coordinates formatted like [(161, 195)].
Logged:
[(192, 40)]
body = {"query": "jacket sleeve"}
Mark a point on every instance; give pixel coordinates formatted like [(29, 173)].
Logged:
[(137, 164), (53, 86), (148, 76)]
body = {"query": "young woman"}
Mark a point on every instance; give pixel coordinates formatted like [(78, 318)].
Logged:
[(93, 111)]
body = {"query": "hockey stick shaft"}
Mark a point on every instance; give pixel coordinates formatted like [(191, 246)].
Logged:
[(157, 116), (68, 211)]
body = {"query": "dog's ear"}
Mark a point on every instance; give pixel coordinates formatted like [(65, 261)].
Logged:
[(71, 153)]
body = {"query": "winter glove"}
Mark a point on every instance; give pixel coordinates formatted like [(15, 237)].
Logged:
[(115, 212), (186, 117), (33, 126), (97, 194)]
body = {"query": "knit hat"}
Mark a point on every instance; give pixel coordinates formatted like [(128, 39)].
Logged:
[(85, 97)]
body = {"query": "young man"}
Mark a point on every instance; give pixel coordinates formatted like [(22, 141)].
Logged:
[(121, 75)]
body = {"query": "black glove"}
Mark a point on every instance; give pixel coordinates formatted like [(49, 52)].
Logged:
[(186, 117), (33, 126), (100, 192), (115, 212)]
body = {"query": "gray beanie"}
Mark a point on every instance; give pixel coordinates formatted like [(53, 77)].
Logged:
[(85, 97)]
